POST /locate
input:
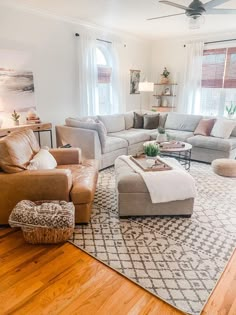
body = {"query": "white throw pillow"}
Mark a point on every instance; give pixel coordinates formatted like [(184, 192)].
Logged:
[(43, 160), (223, 128)]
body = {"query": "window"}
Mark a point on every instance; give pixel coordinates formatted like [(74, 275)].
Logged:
[(104, 83), (218, 80)]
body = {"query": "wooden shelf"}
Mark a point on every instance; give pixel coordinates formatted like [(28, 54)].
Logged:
[(164, 95), (163, 106), (165, 83)]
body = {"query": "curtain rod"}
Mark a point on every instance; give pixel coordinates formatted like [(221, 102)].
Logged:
[(217, 41), (221, 41), (100, 40)]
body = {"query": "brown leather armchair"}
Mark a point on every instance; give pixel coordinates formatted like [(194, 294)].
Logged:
[(72, 180)]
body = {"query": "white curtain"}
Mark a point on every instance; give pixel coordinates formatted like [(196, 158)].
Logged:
[(118, 98), (86, 74), (192, 78)]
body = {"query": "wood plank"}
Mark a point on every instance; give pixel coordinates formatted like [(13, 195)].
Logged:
[(62, 279)]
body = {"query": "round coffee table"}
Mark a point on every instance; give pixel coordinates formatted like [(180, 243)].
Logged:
[(183, 154)]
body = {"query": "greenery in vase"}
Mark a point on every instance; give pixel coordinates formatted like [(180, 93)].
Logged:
[(151, 149), (15, 116), (231, 110), (161, 130), (165, 73)]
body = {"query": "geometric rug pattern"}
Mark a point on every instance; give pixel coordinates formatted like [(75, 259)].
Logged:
[(179, 260)]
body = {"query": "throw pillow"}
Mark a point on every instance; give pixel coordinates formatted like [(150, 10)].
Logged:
[(43, 160), (204, 127), (138, 120), (223, 128), (150, 121)]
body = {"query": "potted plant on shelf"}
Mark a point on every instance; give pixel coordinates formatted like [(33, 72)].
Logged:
[(165, 76), (15, 116), (151, 150), (161, 135), (231, 110)]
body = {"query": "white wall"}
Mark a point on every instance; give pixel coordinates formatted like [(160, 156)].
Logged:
[(51, 43), (171, 53)]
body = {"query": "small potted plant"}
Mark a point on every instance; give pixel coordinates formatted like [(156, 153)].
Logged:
[(161, 135), (151, 150), (165, 76), (15, 116), (231, 110)]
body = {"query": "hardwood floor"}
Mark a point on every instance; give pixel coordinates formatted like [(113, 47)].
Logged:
[(61, 279)]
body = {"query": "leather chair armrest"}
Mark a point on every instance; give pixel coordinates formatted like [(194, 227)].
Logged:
[(66, 156), (36, 185)]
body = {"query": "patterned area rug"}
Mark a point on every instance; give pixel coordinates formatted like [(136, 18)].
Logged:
[(178, 259)]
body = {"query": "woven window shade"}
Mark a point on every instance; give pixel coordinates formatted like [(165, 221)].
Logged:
[(213, 68), (230, 70), (104, 74)]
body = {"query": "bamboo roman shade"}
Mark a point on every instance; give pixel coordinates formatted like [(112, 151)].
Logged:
[(104, 74), (219, 68)]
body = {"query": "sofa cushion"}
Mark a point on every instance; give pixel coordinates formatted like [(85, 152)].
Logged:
[(113, 144), (89, 124), (182, 121), (16, 150), (132, 136), (223, 128), (129, 120), (138, 120), (113, 123), (84, 178), (179, 135), (213, 143), (204, 127), (150, 121)]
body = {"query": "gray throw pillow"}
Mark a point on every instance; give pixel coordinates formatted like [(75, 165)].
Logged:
[(138, 120), (150, 121)]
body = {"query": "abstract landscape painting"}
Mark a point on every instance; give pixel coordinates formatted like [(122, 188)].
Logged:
[(16, 90)]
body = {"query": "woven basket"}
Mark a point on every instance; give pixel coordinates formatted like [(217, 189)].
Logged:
[(46, 235), (44, 222)]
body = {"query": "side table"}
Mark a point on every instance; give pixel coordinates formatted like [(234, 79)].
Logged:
[(37, 128)]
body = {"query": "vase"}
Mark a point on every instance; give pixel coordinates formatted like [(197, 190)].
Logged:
[(164, 80), (16, 122), (161, 137)]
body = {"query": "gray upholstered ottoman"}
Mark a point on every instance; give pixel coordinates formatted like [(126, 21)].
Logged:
[(134, 198)]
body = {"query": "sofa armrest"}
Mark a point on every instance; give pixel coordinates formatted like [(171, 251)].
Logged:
[(65, 156), (35, 185), (85, 139)]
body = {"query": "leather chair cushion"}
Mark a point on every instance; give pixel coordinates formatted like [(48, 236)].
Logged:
[(16, 150), (84, 179)]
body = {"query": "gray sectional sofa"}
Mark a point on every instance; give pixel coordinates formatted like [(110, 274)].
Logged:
[(122, 138)]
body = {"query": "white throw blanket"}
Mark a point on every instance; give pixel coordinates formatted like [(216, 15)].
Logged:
[(166, 186)]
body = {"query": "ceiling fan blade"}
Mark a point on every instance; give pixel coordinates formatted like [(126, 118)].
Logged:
[(175, 5), (214, 3), (165, 16), (221, 11)]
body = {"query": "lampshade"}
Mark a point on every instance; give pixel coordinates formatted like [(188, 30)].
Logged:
[(196, 21), (146, 86)]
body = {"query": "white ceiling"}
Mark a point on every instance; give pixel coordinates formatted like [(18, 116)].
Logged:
[(130, 16)]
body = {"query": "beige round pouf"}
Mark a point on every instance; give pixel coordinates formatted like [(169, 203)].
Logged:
[(224, 167)]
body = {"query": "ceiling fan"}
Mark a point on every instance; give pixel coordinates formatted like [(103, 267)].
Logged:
[(197, 9)]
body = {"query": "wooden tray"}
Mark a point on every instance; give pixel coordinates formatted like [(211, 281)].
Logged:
[(157, 167)]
